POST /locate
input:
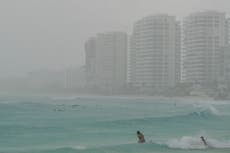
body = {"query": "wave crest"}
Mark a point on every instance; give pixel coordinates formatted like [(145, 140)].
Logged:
[(208, 108), (187, 142)]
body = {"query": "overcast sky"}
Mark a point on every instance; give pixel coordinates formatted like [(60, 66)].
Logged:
[(50, 34)]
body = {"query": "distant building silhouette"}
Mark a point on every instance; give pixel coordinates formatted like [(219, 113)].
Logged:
[(106, 58), (225, 66), (155, 54), (74, 77), (204, 34)]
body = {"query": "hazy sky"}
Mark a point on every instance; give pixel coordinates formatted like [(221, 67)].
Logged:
[(38, 34)]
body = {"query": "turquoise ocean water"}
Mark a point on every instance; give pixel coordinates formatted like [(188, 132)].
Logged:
[(109, 125)]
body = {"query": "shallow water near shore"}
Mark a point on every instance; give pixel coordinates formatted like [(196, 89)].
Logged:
[(108, 125)]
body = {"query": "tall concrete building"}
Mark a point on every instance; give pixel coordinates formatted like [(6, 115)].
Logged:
[(90, 61), (204, 34), (106, 60), (228, 30), (225, 66), (154, 55)]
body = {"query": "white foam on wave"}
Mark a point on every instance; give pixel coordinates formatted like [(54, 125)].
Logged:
[(219, 144), (214, 110), (79, 147), (209, 108), (69, 146), (188, 142), (64, 97)]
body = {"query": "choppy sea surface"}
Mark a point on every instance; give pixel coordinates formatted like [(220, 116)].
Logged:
[(43, 124)]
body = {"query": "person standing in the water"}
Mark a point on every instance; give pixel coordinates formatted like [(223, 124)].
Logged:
[(141, 138), (204, 141)]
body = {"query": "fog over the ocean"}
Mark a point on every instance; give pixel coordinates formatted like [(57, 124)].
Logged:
[(50, 34)]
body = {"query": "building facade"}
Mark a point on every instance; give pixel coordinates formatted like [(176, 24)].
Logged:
[(74, 77), (90, 61), (155, 52), (106, 60), (225, 66), (204, 34)]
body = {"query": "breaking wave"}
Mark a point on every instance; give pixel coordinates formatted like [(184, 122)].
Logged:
[(188, 142)]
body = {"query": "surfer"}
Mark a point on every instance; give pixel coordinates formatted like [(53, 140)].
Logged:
[(141, 138), (204, 141)]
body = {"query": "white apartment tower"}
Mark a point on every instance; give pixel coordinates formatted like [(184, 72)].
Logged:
[(106, 58), (204, 34), (154, 55)]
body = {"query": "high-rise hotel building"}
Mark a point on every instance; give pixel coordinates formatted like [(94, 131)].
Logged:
[(106, 60), (204, 34), (154, 53)]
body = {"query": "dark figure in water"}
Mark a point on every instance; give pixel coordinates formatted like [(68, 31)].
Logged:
[(204, 141), (141, 138)]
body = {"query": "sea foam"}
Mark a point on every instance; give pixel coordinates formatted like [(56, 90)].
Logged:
[(188, 142)]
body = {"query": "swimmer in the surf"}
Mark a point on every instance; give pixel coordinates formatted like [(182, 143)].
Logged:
[(204, 141), (141, 138)]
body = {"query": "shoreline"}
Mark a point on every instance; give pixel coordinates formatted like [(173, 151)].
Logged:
[(121, 96)]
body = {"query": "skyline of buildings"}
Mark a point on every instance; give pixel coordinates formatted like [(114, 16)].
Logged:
[(164, 52), (160, 53)]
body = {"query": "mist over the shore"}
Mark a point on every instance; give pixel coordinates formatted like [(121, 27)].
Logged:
[(51, 34)]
